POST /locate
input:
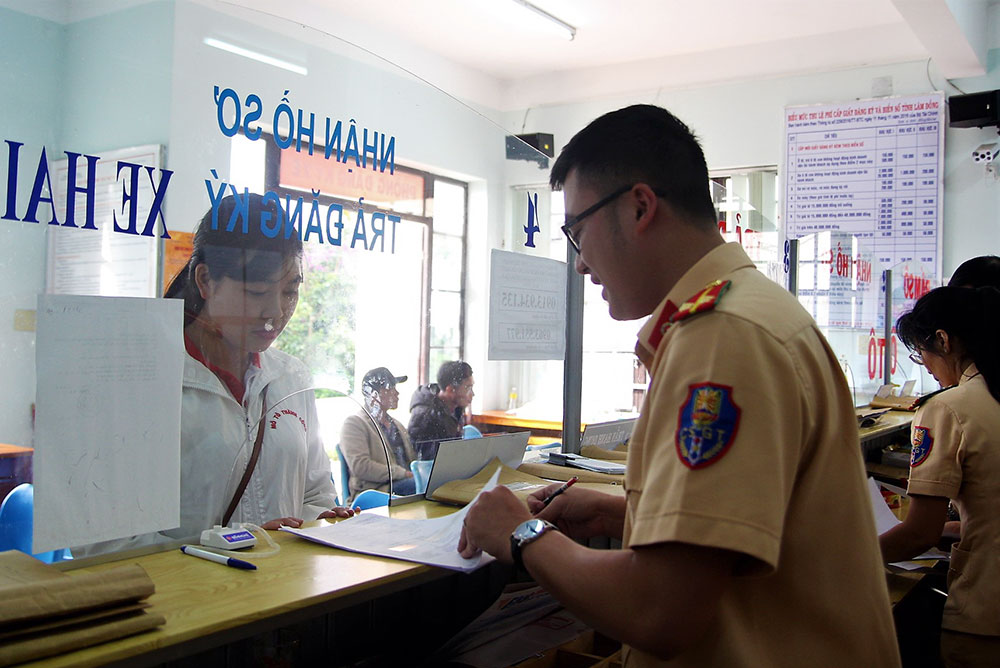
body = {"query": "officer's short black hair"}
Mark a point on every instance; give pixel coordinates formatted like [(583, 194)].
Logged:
[(641, 144)]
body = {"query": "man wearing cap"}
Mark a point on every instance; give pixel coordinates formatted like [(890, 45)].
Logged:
[(361, 443)]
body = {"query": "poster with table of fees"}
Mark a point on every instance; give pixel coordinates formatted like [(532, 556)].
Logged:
[(871, 168)]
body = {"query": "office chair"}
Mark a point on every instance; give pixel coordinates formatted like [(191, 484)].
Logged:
[(344, 484), (421, 469), (370, 498), (17, 524)]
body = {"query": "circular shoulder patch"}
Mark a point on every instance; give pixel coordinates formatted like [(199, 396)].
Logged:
[(706, 425), (921, 446)]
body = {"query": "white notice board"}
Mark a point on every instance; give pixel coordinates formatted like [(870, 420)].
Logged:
[(527, 307), (103, 262), (871, 168), (107, 434)]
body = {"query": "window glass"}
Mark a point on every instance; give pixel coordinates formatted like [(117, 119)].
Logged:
[(324, 213), (446, 312), (447, 272), (449, 208)]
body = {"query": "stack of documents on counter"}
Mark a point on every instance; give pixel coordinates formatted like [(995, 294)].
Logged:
[(433, 542), (44, 611), (586, 463)]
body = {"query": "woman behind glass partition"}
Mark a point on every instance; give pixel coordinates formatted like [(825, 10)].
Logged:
[(240, 289)]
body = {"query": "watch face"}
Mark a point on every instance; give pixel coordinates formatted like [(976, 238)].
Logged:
[(529, 529)]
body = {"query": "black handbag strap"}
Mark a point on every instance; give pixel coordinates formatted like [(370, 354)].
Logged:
[(251, 465)]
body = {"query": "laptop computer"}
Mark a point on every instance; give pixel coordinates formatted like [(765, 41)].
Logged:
[(457, 460)]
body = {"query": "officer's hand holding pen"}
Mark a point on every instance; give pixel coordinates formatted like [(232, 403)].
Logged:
[(562, 488)]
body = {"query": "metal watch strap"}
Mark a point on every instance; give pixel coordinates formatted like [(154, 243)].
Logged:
[(517, 544)]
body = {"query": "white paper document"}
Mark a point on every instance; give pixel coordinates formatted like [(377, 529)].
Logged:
[(433, 542), (885, 519), (107, 441)]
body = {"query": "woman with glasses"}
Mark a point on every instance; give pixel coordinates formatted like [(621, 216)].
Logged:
[(956, 455)]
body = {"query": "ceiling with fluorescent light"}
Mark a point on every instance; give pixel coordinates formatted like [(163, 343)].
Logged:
[(627, 45), (494, 53)]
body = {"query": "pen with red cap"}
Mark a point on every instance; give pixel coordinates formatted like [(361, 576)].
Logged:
[(562, 488)]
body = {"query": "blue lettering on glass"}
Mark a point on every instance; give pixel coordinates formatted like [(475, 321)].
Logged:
[(292, 218), (253, 114), (216, 198), (286, 110), (378, 230), (393, 219), (332, 140), (339, 224), (378, 147), (241, 210), (265, 215), (42, 192), (42, 180), (13, 150), (72, 189), (352, 147), (129, 198), (155, 209), (532, 227), (314, 226), (359, 226), (304, 131), (220, 105), (299, 217)]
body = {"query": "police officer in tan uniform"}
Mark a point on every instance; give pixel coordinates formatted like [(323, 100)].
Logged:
[(956, 455), (748, 538)]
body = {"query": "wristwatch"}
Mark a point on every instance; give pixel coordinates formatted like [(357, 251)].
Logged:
[(525, 533)]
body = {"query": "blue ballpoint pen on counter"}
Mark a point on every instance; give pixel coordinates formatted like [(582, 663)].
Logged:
[(217, 558)]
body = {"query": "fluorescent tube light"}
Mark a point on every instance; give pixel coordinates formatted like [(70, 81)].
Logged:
[(254, 55), (568, 31)]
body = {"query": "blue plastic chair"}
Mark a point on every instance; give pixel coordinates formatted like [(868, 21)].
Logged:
[(370, 498), (17, 524), (470, 431), (421, 469), (345, 477)]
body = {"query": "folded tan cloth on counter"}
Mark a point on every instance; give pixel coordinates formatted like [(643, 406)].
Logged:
[(44, 611)]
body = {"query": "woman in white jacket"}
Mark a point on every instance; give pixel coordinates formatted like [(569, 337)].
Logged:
[(240, 289)]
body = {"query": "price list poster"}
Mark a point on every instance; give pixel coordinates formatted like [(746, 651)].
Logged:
[(870, 168)]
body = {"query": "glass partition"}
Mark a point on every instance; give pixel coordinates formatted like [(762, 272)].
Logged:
[(747, 203), (125, 128), (911, 280), (838, 283)]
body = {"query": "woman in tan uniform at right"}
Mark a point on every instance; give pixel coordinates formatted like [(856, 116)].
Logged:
[(956, 455)]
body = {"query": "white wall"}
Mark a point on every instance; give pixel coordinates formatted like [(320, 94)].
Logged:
[(32, 50), (740, 125)]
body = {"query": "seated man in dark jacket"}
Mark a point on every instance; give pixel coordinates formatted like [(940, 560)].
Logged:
[(437, 411)]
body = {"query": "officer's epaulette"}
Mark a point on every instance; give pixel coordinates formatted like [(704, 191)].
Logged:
[(923, 400), (705, 300)]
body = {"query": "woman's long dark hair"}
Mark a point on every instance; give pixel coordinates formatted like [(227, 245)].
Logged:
[(969, 315), (243, 256)]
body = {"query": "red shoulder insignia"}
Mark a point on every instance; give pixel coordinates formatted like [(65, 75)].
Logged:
[(703, 301), (662, 324)]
